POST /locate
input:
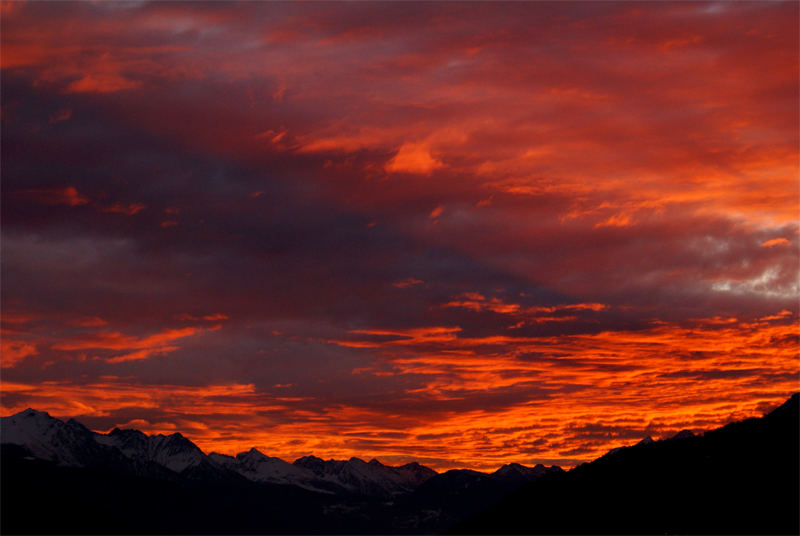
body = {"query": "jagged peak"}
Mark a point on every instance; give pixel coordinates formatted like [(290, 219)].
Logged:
[(309, 458), (514, 467), (683, 434), (510, 468), (126, 432), (30, 412), (253, 454), (177, 438)]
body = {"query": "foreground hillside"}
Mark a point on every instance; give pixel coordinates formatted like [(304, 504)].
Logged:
[(743, 478)]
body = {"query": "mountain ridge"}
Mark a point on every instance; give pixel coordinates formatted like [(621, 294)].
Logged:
[(685, 484), (307, 460), (70, 443)]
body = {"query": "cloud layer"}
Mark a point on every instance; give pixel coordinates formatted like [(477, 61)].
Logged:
[(461, 233)]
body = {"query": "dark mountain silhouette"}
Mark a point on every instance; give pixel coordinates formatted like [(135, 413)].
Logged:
[(60, 477), (128, 482), (743, 478), (452, 496)]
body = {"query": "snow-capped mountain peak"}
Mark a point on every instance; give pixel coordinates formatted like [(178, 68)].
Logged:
[(252, 456), (71, 443), (47, 437), (174, 452)]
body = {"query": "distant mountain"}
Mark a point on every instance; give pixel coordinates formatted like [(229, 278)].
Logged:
[(333, 476), (372, 479), (520, 472), (743, 478), (60, 477), (451, 496), (257, 467), (70, 444), (86, 481)]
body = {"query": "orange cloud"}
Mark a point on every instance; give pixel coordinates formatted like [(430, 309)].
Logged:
[(435, 213), (413, 158), (134, 348), (474, 301), (14, 351), (615, 167), (557, 399), (481, 401), (776, 242)]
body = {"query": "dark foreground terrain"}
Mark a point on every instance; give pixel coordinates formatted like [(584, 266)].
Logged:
[(743, 478)]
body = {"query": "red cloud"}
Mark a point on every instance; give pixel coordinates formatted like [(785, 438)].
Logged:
[(133, 348), (58, 196), (636, 168), (128, 210)]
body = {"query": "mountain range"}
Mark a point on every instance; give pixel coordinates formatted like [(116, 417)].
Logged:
[(131, 452), (60, 477), (44, 456)]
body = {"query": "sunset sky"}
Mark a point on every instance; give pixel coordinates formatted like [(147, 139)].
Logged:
[(459, 233)]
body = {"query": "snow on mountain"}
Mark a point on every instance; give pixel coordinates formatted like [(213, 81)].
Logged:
[(66, 443), (331, 476), (258, 467), (72, 444), (272, 469), (174, 451), (367, 478), (415, 474)]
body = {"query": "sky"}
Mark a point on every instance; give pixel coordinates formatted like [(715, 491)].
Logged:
[(466, 234)]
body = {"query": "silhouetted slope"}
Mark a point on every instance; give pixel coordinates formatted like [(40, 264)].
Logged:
[(38, 497), (743, 478), (451, 496)]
